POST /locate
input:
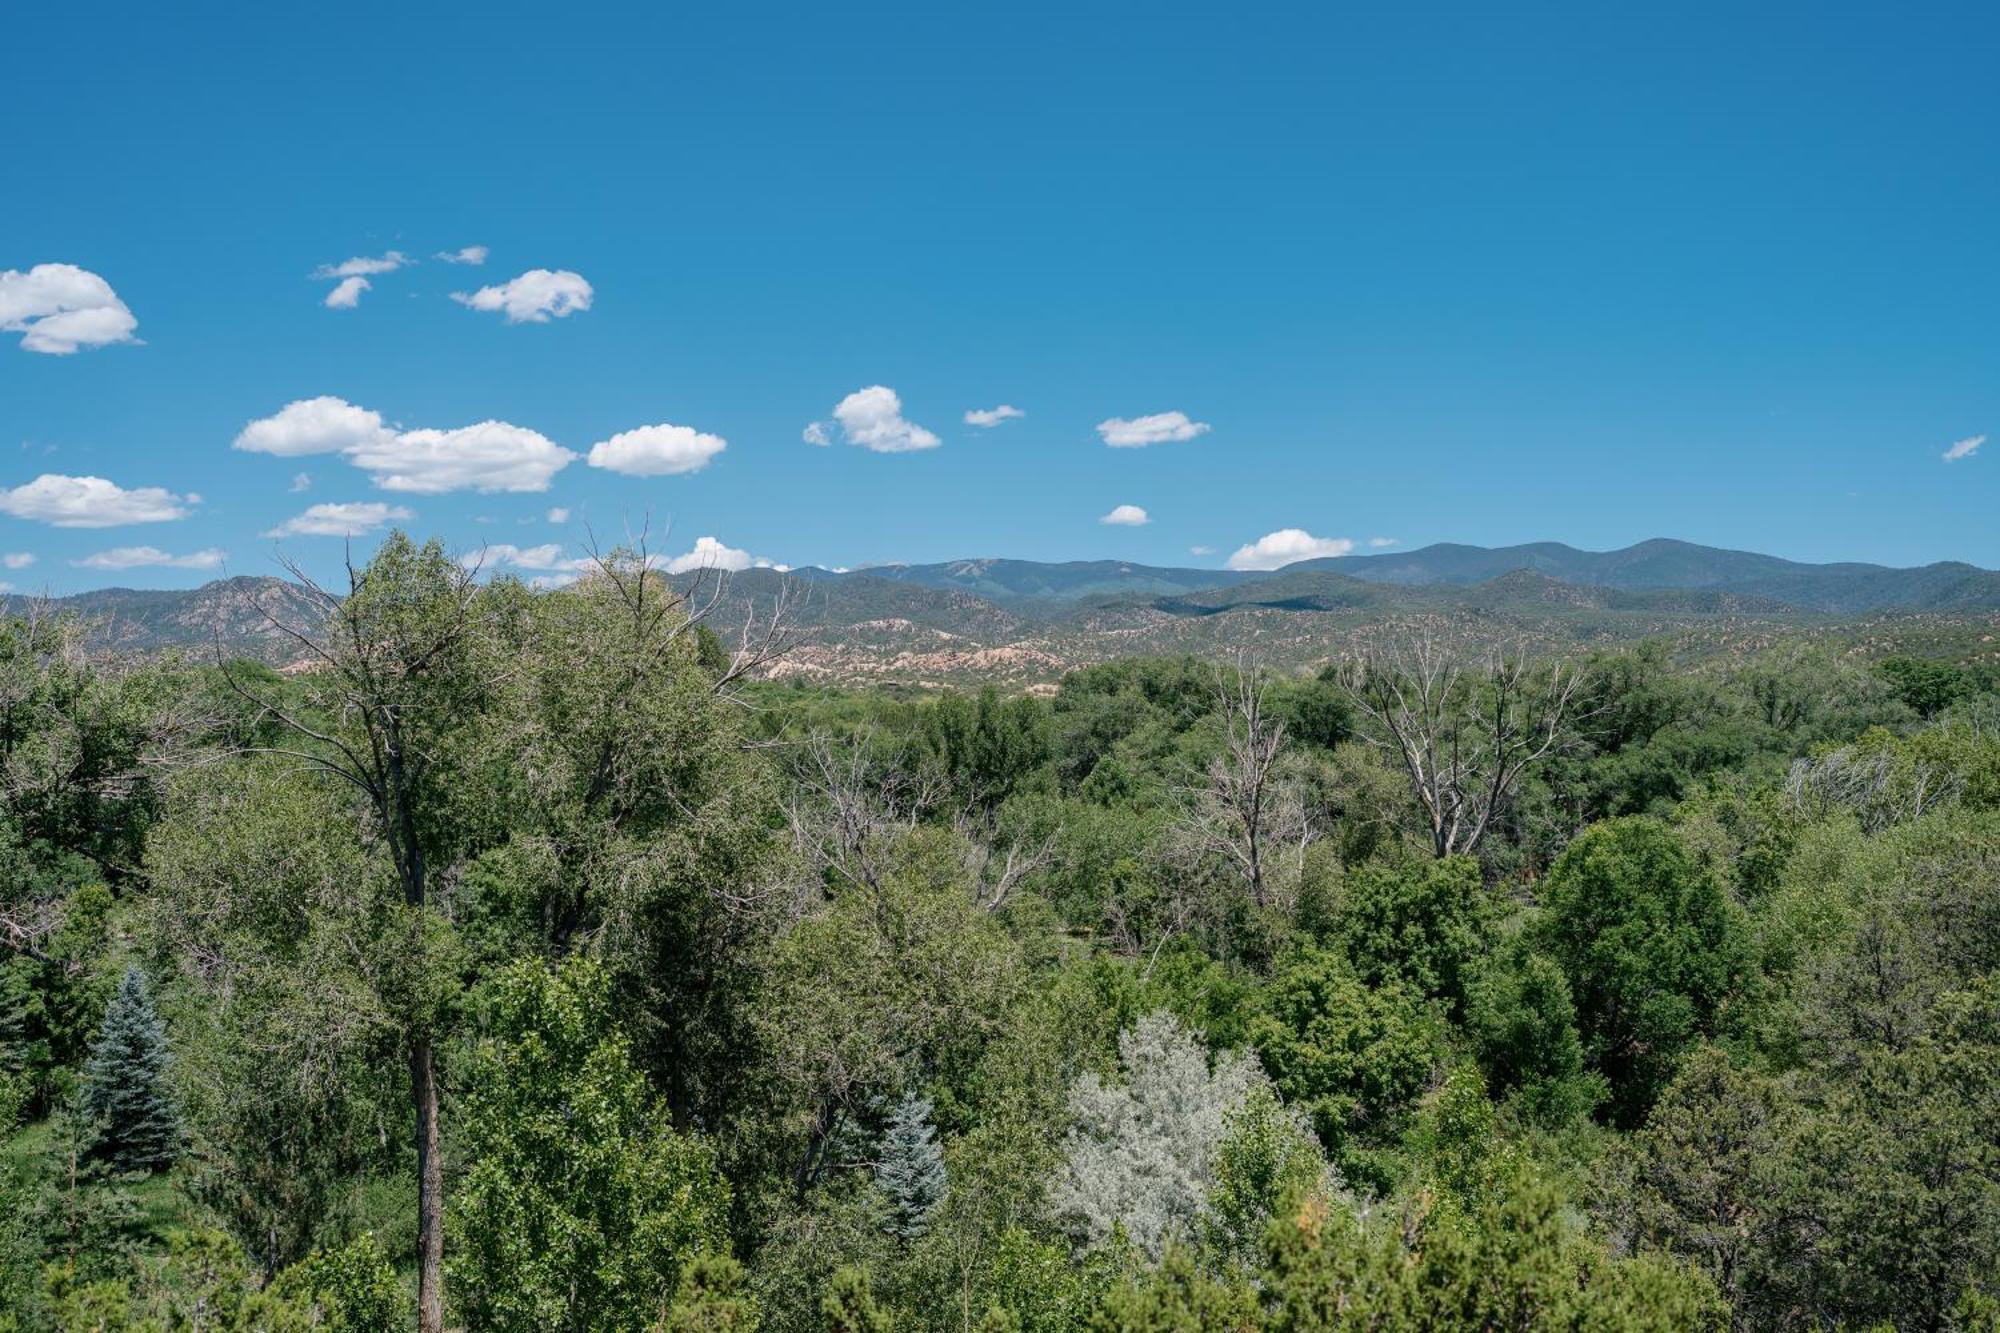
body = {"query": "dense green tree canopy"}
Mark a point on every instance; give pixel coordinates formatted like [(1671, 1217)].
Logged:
[(519, 961)]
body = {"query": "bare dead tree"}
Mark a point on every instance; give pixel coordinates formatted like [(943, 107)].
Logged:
[(1244, 811), (1464, 739), (848, 799), (996, 871), (1874, 786), (27, 923)]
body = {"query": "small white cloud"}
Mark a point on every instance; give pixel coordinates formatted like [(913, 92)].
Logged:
[(323, 425), (1127, 516), (1274, 550), (1201, 550), (815, 433), (341, 520), (558, 515), (545, 559), (1159, 428), (1965, 448), (363, 267), (301, 481), (536, 297), (489, 456), (91, 502), (657, 451), (1379, 542), (708, 553), (992, 416), (471, 254), (17, 559), (873, 418), (57, 308), (139, 557), (347, 293)]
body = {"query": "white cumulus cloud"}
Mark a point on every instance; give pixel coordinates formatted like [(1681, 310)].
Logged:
[(873, 418), (471, 254), (138, 557), (1274, 550), (323, 425), (350, 277), (91, 502), (816, 433), (341, 520), (992, 416), (346, 294), (708, 553), (558, 515), (488, 456), (57, 308), (1127, 516), (17, 559), (536, 297), (1201, 550), (301, 481), (1158, 428), (1379, 542), (1964, 448), (657, 451)]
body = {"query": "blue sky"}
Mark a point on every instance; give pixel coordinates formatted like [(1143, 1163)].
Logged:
[(1484, 274)]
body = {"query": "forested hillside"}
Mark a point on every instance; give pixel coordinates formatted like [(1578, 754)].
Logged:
[(538, 960)]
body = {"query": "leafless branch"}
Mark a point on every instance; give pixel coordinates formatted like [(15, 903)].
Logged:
[(1465, 741)]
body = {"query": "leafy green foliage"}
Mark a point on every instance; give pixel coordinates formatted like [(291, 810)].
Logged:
[(714, 1297), (1513, 1264), (1424, 926), (849, 1306), (1927, 687), (1523, 1022), (1353, 1057), (581, 1204), (1653, 948), (888, 1008), (1267, 1154)]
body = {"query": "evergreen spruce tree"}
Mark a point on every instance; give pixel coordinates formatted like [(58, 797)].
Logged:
[(910, 1168), (124, 1083)]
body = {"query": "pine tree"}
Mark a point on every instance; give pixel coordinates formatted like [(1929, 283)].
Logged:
[(910, 1168), (124, 1082)]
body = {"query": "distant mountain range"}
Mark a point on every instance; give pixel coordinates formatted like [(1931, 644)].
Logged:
[(238, 611), (1025, 620), (1650, 566)]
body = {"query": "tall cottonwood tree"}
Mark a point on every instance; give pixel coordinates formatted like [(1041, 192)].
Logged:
[(402, 674), (472, 718)]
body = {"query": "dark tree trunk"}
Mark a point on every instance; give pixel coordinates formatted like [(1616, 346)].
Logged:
[(430, 1190)]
